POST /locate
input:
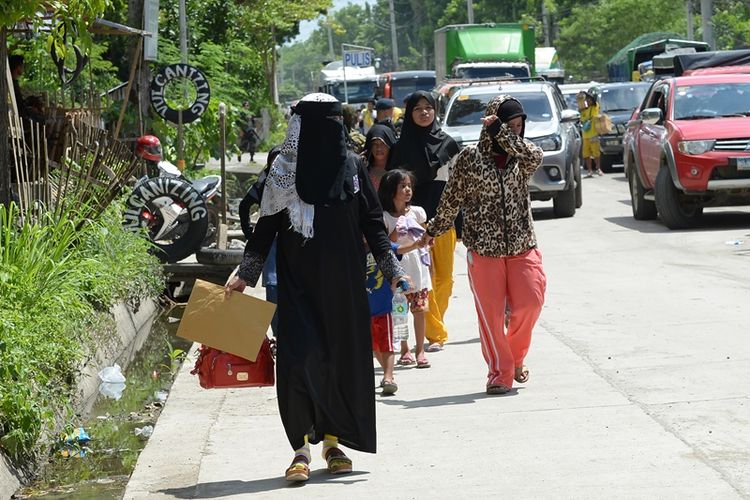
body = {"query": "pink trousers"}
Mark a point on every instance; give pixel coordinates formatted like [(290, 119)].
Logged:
[(520, 281)]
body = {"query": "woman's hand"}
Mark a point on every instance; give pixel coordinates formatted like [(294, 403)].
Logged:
[(396, 280), (426, 240), (236, 284), (489, 120)]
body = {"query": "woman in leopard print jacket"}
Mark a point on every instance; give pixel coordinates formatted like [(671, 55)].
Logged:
[(489, 182)]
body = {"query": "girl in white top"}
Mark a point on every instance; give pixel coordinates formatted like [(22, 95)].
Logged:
[(405, 225)]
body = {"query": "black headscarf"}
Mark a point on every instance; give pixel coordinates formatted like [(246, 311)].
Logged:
[(378, 131), (322, 153), (422, 150), (506, 108)]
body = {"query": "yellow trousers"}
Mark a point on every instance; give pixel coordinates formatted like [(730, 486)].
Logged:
[(442, 286)]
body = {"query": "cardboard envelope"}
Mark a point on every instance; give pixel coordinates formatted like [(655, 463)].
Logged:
[(236, 325)]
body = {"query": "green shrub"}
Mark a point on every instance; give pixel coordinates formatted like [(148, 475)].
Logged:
[(55, 274)]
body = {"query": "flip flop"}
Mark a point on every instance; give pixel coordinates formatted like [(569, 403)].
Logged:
[(434, 347), (406, 359), (389, 388), (423, 363), (522, 374)]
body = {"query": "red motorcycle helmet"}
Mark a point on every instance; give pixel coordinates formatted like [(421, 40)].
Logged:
[(148, 147)]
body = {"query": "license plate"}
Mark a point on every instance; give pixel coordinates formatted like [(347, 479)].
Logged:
[(742, 163)]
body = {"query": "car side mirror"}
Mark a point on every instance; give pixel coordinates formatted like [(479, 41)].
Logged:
[(652, 116), (569, 115)]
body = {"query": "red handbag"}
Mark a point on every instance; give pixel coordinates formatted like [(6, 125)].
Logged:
[(219, 369)]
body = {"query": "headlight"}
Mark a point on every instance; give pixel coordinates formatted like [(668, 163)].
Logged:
[(695, 147), (549, 143), (621, 128)]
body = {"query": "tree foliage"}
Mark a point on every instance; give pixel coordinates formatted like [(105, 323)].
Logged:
[(586, 33)]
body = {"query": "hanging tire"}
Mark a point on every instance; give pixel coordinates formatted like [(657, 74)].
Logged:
[(643, 209), (219, 257), (148, 202), (675, 209)]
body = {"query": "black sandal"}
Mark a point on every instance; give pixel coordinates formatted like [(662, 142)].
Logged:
[(337, 461)]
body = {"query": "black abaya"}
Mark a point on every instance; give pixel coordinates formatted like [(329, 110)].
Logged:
[(324, 355)]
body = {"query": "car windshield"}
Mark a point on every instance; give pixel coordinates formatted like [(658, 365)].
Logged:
[(468, 110), (624, 98), (357, 91), (400, 89), (570, 100), (478, 72), (714, 100)]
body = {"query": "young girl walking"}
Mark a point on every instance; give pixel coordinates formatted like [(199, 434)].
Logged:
[(405, 225)]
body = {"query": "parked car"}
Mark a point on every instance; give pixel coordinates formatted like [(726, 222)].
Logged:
[(398, 85), (549, 125), (617, 100), (688, 147)]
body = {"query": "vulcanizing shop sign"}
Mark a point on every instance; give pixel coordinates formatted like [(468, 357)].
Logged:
[(174, 72)]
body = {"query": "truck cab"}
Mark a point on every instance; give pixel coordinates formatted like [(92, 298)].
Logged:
[(476, 51)]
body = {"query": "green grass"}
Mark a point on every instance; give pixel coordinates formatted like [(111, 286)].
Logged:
[(56, 286)]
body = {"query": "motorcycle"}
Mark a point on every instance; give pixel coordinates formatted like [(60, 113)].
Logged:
[(180, 215)]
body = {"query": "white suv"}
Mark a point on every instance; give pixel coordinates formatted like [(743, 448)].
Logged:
[(549, 125)]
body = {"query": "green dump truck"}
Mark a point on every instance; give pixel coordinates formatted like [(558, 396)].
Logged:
[(623, 66), (479, 51)]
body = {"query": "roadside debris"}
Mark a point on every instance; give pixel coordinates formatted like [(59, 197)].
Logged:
[(113, 382), (144, 432), (75, 444)]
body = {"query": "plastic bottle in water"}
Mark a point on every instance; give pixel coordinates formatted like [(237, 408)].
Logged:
[(400, 313)]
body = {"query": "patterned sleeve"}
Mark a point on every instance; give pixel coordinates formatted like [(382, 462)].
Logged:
[(453, 195), (390, 267), (528, 154), (257, 248)]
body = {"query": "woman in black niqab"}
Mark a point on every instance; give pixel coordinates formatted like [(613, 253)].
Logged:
[(318, 202), (322, 158)]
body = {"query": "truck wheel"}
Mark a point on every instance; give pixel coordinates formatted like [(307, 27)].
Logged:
[(564, 203), (605, 162), (675, 209), (643, 209)]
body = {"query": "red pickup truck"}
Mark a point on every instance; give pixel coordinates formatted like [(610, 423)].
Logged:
[(688, 147)]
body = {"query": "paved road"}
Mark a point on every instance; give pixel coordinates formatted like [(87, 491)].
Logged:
[(639, 387)]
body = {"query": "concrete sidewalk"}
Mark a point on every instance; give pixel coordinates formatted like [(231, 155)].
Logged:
[(570, 432)]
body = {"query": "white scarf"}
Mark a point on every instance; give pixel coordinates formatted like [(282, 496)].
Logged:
[(280, 191)]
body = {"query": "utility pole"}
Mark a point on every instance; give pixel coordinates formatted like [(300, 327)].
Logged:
[(5, 195), (274, 69), (184, 60), (470, 11), (690, 30), (330, 40), (394, 41), (707, 10), (545, 24)]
